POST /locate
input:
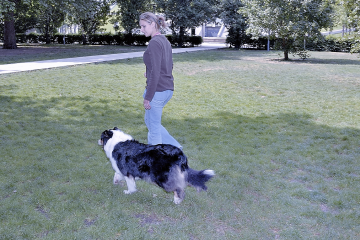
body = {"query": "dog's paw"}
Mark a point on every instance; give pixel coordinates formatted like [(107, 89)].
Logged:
[(129, 192), (119, 182), (177, 200), (117, 178)]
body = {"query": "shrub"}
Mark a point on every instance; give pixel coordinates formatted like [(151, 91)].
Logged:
[(355, 48), (187, 40), (32, 38), (195, 40), (141, 40), (119, 39), (21, 38), (69, 38)]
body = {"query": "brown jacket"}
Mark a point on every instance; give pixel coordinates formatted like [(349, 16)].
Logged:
[(159, 64)]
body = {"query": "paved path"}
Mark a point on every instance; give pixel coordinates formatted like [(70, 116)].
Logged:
[(29, 66)]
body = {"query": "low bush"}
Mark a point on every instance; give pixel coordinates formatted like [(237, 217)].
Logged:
[(330, 44), (105, 39)]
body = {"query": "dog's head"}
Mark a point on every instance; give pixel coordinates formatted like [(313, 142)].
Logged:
[(105, 136), (116, 136)]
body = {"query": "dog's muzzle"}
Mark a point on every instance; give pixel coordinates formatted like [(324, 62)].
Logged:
[(100, 142)]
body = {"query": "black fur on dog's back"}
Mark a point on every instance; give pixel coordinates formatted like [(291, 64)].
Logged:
[(148, 161)]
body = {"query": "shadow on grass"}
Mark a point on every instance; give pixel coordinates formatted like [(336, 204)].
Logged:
[(46, 141), (283, 138), (322, 61)]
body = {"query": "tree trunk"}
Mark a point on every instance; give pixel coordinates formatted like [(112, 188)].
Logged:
[(47, 38), (47, 33), (84, 39), (286, 55), (181, 36), (9, 32)]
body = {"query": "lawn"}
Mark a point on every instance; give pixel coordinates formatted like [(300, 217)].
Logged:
[(39, 52), (282, 137)]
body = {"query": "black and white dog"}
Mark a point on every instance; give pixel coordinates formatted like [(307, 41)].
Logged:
[(163, 164)]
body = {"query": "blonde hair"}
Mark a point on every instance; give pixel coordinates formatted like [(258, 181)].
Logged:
[(157, 19)]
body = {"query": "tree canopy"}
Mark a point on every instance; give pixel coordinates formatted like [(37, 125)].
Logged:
[(290, 21), (187, 13), (17, 16), (50, 16), (90, 15), (234, 20), (352, 9), (129, 12)]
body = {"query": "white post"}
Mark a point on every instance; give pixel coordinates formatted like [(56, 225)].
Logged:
[(221, 31), (203, 31)]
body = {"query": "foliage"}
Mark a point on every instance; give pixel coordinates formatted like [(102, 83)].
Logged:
[(90, 15), (104, 39), (51, 15), (234, 21), (25, 16), (7, 6), (129, 13), (186, 14), (291, 21), (188, 41), (352, 9), (333, 44), (15, 16), (356, 46)]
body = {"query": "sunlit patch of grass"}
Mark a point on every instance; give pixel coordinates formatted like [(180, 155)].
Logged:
[(282, 137)]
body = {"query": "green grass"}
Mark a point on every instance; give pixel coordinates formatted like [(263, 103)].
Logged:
[(283, 138), (39, 52)]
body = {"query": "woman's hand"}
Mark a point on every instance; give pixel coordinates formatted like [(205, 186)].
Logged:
[(147, 104)]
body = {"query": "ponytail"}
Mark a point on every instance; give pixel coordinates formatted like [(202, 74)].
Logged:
[(157, 19)]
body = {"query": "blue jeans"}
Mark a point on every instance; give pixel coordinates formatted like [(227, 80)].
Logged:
[(157, 133)]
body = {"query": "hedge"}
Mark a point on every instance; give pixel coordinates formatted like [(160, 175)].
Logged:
[(104, 39), (328, 44)]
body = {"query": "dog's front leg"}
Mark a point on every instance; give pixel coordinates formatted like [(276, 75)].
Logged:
[(118, 177), (179, 195), (130, 182)]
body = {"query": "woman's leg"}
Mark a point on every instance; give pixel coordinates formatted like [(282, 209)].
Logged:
[(157, 133)]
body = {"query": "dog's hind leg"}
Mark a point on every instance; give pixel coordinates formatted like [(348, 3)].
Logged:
[(130, 181), (179, 195)]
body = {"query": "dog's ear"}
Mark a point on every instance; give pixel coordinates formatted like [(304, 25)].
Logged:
[(107, 134), (115, 128)]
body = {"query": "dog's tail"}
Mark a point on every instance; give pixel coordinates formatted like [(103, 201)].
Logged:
[(198, 179)]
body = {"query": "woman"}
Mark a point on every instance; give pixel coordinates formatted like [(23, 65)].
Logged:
[(159, 78)]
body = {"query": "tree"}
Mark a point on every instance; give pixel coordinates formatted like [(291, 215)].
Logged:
[(288, 21), (129, 13), (7, 11), (51, 15), (234, 21), (185, 14), (18, 16), (352, 8), (90, 15)]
